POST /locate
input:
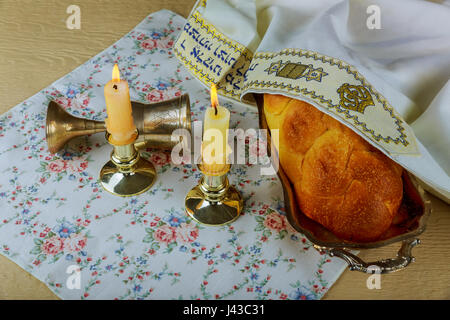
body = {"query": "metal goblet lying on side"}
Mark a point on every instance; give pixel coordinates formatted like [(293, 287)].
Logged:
[(155, 123)]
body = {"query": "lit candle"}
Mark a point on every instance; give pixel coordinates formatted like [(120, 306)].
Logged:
[(215, 135), (119, 122)]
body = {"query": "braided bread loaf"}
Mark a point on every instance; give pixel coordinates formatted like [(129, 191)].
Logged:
[(340, 180)]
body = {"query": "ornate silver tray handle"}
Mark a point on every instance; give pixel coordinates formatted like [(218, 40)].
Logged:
[(403, 259)]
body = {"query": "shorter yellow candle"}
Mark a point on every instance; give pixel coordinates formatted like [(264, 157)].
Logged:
[(119, 122), (215, 135)]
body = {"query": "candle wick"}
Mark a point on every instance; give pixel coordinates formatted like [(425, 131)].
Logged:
[(215, 110), (115, 87)]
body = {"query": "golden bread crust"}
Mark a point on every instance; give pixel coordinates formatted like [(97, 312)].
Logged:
[(340, 180)]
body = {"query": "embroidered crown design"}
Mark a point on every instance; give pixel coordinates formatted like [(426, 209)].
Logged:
[(356, 98)]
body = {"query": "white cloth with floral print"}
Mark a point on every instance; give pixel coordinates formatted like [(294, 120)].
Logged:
[(54, 214)]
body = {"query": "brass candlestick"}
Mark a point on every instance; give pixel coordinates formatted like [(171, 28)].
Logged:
[(213, 201), (127, 174)]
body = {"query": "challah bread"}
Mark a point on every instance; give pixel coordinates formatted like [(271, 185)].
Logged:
[(340, 180)]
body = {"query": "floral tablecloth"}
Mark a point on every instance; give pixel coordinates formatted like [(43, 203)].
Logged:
[(54, 214)]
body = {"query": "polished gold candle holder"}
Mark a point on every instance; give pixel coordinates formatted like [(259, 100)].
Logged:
[(214, 201), (127, 174)]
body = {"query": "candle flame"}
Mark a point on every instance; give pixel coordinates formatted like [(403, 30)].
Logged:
[(116, 74), (214, 99)]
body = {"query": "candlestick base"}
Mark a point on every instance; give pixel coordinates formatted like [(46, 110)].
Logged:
[(128, 184), (127, 174), (213, 201)]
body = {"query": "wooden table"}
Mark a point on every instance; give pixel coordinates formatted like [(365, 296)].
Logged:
[(36, 49)]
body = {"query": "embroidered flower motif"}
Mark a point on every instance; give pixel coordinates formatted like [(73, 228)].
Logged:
[(160, 158), (155, 95), (165, 43), (52, 246), (67, 155), (298, 294), (65, 229), (76, 242), (81, 100), (275, 221), (187, 232), (149, 44), (256, 151), (156, 35), (162, 85), (64, 101), (174, 220), (165, 234), (57, 166), (171, 93), (71, 92), (77, 164)]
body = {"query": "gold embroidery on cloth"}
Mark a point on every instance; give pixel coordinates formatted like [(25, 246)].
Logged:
[(355, 98), (292, 70)]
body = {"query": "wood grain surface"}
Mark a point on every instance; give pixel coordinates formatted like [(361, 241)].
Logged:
[(36, 49)]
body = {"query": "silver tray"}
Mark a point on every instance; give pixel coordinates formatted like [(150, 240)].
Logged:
[(409, 223)]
